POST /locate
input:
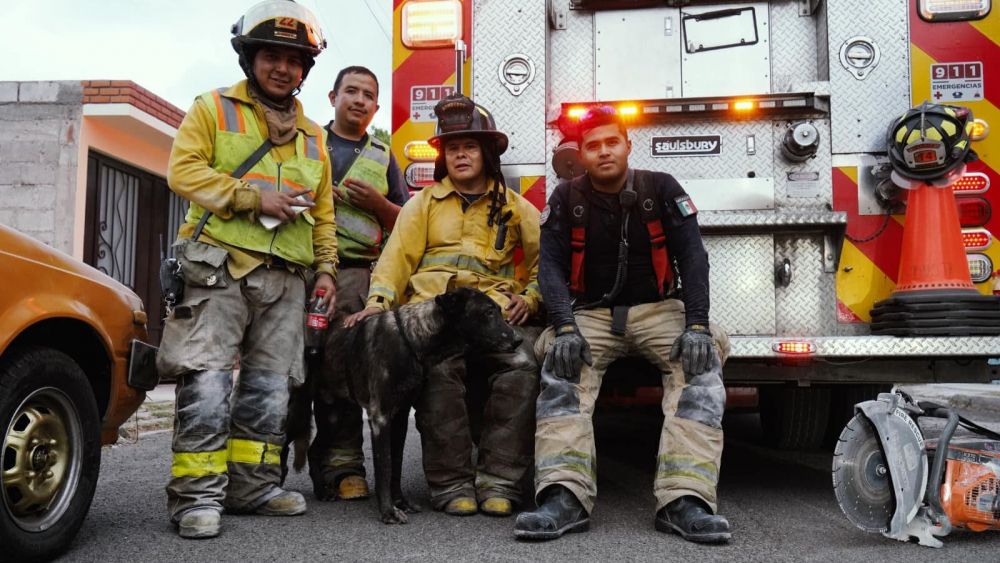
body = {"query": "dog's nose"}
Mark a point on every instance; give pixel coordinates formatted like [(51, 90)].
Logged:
[(516, 341)]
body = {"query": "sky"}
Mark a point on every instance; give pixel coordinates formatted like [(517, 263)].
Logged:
[(178, 49)]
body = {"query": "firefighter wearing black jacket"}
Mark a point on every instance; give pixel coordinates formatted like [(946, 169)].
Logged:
[(612, 241)]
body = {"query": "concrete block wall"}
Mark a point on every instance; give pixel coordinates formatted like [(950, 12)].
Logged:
[(39, 143)]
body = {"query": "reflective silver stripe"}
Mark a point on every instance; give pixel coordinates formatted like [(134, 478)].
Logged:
[(262, 184), (465, 262), (312, 147), (380, 156), (358, 227), (229, 112), (673, 466), (570, 460)]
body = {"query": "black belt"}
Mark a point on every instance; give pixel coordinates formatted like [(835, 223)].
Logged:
[(273, 261), (355, 263)]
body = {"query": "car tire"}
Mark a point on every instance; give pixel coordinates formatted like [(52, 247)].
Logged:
[(51, 452)]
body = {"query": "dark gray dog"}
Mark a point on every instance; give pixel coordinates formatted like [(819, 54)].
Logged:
[(380, 365)]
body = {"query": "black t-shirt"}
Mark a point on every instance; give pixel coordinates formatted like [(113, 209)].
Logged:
[(601, 254), (344, 151)]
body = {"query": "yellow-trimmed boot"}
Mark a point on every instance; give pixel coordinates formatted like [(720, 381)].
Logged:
[(461, 506), (353, 487), (288, 503), (497, 506)]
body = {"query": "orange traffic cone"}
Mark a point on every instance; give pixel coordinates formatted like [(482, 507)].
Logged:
[(934, 294), (933, 255)]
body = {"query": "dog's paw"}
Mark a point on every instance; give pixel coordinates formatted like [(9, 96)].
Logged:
[(394, 516), (406, 506)]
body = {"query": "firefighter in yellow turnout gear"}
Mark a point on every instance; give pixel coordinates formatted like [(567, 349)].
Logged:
[(248, 243), (462, 232), (611, 238)]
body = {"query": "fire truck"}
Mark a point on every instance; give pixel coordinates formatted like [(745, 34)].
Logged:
[(773, 116)]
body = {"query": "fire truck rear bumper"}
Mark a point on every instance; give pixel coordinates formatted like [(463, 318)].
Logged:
[(863, 359)]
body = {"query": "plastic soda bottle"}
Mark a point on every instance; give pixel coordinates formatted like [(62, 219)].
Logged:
[(316, 325)]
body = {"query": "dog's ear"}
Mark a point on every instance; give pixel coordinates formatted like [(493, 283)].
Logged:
[(450, 302)]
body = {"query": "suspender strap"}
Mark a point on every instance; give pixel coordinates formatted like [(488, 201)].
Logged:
[(577, 244), (660, 257), (578, 207), (650, 210), (240, 171)]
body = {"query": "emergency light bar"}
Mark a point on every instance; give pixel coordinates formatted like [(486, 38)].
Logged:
[(658, 111), (971, 183), (431, 23), (953, 10), (976, 239), (980, 267)]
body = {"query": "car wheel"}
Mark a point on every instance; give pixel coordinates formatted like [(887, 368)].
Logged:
[(51, 452)]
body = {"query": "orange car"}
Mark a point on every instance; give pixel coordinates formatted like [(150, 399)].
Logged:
[(73, 368)]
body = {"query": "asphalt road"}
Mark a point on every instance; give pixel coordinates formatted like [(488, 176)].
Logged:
[(781, 506)]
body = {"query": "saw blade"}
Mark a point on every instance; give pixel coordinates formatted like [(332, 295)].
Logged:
[(861, 477)]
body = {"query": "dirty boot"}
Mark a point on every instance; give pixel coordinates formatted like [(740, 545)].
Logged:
[(689, 517), (288, 503), (353, 487), (497, 506), (461, 506), (199, 523), (560, 512)]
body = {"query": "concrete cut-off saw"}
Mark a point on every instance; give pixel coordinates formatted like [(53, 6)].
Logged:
[(882, 481)]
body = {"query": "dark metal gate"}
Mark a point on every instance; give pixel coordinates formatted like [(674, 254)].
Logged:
[(132, 219)]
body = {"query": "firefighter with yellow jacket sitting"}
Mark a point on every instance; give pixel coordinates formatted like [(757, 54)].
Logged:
[(462, 232)]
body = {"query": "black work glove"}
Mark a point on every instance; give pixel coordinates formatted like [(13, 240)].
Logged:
[(694, 347), (566, 357)]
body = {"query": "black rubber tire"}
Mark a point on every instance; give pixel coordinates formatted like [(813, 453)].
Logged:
[(794, 418), (49, 374), (842, 401)]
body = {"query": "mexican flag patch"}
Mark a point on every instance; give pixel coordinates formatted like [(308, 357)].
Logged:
[(685, 206)]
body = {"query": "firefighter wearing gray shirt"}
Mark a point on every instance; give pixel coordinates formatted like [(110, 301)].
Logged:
[(368, 190)]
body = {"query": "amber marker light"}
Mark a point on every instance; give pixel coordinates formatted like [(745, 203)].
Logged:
[(980, 129), (576, 112), (628, 110), (743, 105), (420, 151)]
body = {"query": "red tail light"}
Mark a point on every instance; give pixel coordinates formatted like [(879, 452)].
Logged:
[(976, 239), (973, 211), (971, 183), (794, 348)]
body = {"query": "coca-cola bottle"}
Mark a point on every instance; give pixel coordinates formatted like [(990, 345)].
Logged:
[(316, 324)]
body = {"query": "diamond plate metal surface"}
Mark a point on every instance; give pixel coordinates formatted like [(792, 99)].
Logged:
[(808, 306), (820, 166), (501, 29), (793, 47), (742, 283), (862, 109), (866, 346), (571, 76), (788, 218)]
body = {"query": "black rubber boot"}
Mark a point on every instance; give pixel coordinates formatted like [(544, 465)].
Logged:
[(559, 513), (690, 518)]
